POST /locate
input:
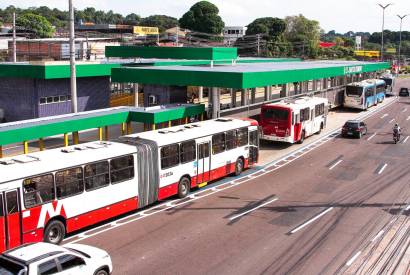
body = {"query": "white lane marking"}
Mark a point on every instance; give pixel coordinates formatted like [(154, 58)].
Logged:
[(405, 140), (383, 116), (382, 169), (311, 220), (404, 110), (408, 118), (378, 235), (407, 208), (349, 263), (372, 136), (253, 209), (303, 151), (391, 120), (334, 165)]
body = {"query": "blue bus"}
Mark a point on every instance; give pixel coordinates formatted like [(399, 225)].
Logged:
[(362, 95)]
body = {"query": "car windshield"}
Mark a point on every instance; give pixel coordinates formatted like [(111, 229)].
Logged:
[(354, 91), (10, 268), (403, 90), (276, 114), (352, 124)]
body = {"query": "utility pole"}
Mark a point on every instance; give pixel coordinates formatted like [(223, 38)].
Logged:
[(73, 80), (14, 39), (258, 41), (177, 38), (401, 24), (382, 48)]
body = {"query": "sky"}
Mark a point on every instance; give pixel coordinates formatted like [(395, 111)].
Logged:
[(340, 15)]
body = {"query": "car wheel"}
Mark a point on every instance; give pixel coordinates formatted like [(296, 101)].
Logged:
[(239, 167), (54, 232), (101, 272), (360, 135), (184, 187)]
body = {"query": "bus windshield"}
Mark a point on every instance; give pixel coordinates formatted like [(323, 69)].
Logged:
[(388, 81), (354, 91), (276, 114)]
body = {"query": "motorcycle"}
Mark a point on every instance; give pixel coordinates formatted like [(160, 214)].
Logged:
[(396, 137)]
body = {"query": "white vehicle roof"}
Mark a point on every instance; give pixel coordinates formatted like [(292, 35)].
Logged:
[(27, 253), (38, 163), (192, 131), (299, 103)]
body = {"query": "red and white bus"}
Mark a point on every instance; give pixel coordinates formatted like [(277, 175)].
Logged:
[(45, 195), (293, 120)]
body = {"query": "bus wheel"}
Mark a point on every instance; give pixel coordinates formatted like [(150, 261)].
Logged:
[(54, 232), (320, 129), (183, 187), (302, 137), (238, 167)]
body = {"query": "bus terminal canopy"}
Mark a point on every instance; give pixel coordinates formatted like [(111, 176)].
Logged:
[(243, 76)]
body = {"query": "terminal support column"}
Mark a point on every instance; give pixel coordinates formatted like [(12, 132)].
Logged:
[(233, 97), (253, 96), (215, 102), (200, 94), (243, 97), (136, 95), (284, 92)]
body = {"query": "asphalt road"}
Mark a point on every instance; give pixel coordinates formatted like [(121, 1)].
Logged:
[(311, 214)]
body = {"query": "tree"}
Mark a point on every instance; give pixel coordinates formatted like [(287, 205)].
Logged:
[(203, 17), (272, 27), (304, 34), (132, 19), (37, 24), (163, 22)]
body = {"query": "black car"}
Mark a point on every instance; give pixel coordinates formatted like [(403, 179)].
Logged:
[(354, 128), (404, 92)]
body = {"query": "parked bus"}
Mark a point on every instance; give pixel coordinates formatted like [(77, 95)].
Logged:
[(293, 120), (362, 95), (390, 81), (45, 195)]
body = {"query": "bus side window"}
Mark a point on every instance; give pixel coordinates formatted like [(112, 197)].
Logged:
[(69, 182), (188, 151), (297, 118), (122, 169), (96, 175), (218, 143), (38, 190), (231, 140), (242, 137), (169, 156)]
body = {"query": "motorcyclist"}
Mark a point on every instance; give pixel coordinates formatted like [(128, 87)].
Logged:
[(396, 130)]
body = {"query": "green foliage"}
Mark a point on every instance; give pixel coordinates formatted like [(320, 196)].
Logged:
[(304, 34), (36, 24), (163, 22), (203, 17), (272, 27), (132, 19)]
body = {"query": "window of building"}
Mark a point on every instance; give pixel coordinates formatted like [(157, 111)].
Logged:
[(38, 190), (96, 175), (218, 143), (43, 100), (169, 156), (69, 182), (63, 98), (242, 137), (230, 140), (188, 151), (50, 99), (122, 169), (56, 99)]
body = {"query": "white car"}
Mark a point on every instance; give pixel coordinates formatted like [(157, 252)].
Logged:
[(46, 258)]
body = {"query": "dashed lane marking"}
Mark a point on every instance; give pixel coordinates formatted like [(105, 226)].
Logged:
[(404, 110), (372, 136), (349, 262), (334, 165), (253, 209), (383, 116), (311, 220), (405, 140), (377, 236), (391, 120), (408, 118), (381, 168)]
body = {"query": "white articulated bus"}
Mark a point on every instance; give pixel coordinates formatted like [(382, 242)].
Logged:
[(363, 95), (293, 120), (45, 195)]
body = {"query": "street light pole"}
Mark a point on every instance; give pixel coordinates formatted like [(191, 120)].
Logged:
[(401, 24), (14, 39), (73, 80), (382, 49)]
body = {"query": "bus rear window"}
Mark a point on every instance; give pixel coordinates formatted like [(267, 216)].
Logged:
[(276, 114), (354, 91)]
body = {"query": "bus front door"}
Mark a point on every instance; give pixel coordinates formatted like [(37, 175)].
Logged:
[(204, 164), (253, 147), (10, 220)]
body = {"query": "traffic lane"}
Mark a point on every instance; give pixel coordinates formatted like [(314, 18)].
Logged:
[(229, 205)]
